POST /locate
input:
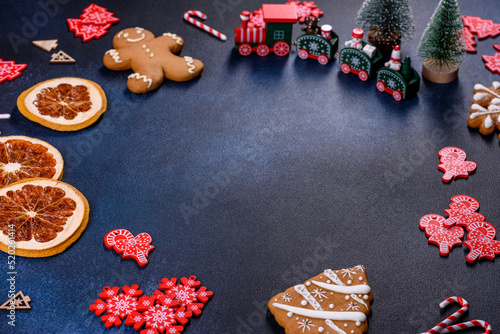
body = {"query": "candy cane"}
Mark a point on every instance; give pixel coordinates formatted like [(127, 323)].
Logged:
[(4, 116), (439, 328), (197, 23), (469, 324)]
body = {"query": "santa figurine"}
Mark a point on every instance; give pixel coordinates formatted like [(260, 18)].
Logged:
[(356, 41), (395, 62)]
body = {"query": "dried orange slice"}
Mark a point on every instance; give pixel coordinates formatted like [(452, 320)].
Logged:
[(41, 217), (63, 104), (24, 157)]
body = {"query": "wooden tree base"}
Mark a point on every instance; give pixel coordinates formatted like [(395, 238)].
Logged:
[(446, 74), (384, 43)]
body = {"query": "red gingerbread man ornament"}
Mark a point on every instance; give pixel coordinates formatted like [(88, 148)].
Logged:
[(150, 58)]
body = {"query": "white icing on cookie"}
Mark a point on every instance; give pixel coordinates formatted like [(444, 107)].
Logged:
[(143, 77), (359, 300), (115, 55), (334, 327), (174, 37), (301, 288), (344, 289), (331, 315), (331, 275), (190, 62)]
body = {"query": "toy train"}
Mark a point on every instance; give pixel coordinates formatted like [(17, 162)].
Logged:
[(359, 57), (276, 37)]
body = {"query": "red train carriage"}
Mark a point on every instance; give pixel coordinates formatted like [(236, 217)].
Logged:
[(275, 37)]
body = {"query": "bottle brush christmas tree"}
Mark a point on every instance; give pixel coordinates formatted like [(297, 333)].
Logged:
[(387, 22), (442, 46)]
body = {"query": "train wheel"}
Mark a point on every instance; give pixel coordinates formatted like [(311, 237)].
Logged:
[(245, 49), (303, 54), (397, 95), (323, 59), (363, 75), (262, 50), (281, 48), (380, 86), (345, 68)]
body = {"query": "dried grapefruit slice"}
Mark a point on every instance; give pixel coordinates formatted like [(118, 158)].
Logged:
[(63, 104), (41, 217), (24, 157)]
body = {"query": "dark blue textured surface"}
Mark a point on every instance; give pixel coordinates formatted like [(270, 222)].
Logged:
[(245, 174)]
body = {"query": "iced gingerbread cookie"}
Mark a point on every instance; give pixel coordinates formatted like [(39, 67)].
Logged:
[(150, 58), (485, 109), (333, 302)]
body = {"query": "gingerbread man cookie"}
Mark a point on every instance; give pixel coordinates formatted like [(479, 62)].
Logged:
[(150, 58)]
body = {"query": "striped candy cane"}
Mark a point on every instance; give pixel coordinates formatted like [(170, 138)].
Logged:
[(4, 116), (439, 328), (187, 17), (469, 324)]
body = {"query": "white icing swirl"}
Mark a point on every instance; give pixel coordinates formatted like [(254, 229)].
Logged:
[(190, 61), (115, 55), (143, 77), (176, 38)]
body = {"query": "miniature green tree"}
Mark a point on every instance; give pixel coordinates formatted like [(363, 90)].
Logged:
[(407, 70), (390, 20), (443, 44)]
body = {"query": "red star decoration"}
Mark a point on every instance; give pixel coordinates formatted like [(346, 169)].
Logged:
[(9, 70), (492, 63)]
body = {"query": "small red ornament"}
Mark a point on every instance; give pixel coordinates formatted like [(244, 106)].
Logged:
[(496, 47), (480, 241), (453, 163), (470, 41), (445, 238), (483, 28), (95, 14), (124, 242), (462, 211), (492, 62), (9, 70)]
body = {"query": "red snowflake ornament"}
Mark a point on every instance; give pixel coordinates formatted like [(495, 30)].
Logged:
[(496, 47), (305, 9), (9, 70), (116, 305), (124, 242), (480, 241), (470, 41), (184, 293), (95, 14), (445, 238), (453, 163), (462, 211), (483, 28), (492, 63)]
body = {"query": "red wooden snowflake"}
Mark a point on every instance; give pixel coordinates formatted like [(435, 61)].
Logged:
[(184, 293), (305, 9), (480, 241), (492, 62), (9, 70), (161, 313), (95, 14), (462, 211), (453, 163), (445, 238), (483, 28), (124, 242), (470, 41), (116, 305)]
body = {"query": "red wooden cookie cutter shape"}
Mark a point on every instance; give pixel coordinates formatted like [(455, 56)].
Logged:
[(492, 63), (95, 14), (445, 238), (453, 163), (480, 241), (124, 242), (483, 28), (9, 70), (462, 211)]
